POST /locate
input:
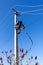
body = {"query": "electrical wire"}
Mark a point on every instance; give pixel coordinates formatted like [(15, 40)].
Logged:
[(26, 32), (33, 14), (4, 20), (5, 17), (26, 12), (28, 6), (30, 40), (37, 10)]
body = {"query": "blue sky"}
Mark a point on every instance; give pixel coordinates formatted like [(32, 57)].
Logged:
[(32, 21)]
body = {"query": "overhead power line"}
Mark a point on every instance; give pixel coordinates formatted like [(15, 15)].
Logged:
[(28, 5), (33, 14), (37, 10), (30, 40), (25, 12), (4, 18)]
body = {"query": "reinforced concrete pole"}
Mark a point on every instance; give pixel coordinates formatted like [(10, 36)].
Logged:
[(15, 40)]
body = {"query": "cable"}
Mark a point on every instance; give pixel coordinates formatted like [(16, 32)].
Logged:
[(33, 14), (31, 11), (6, 16), (26, 12), (28, 6), (5, 19), (30, 40), (36, 13)]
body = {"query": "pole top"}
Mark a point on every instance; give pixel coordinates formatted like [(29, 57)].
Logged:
[(15, 12)]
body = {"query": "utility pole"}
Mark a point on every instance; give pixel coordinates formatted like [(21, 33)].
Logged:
[(17, 26), (15, 39)]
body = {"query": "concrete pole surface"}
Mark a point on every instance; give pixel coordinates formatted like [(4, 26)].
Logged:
[(15, 40)]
